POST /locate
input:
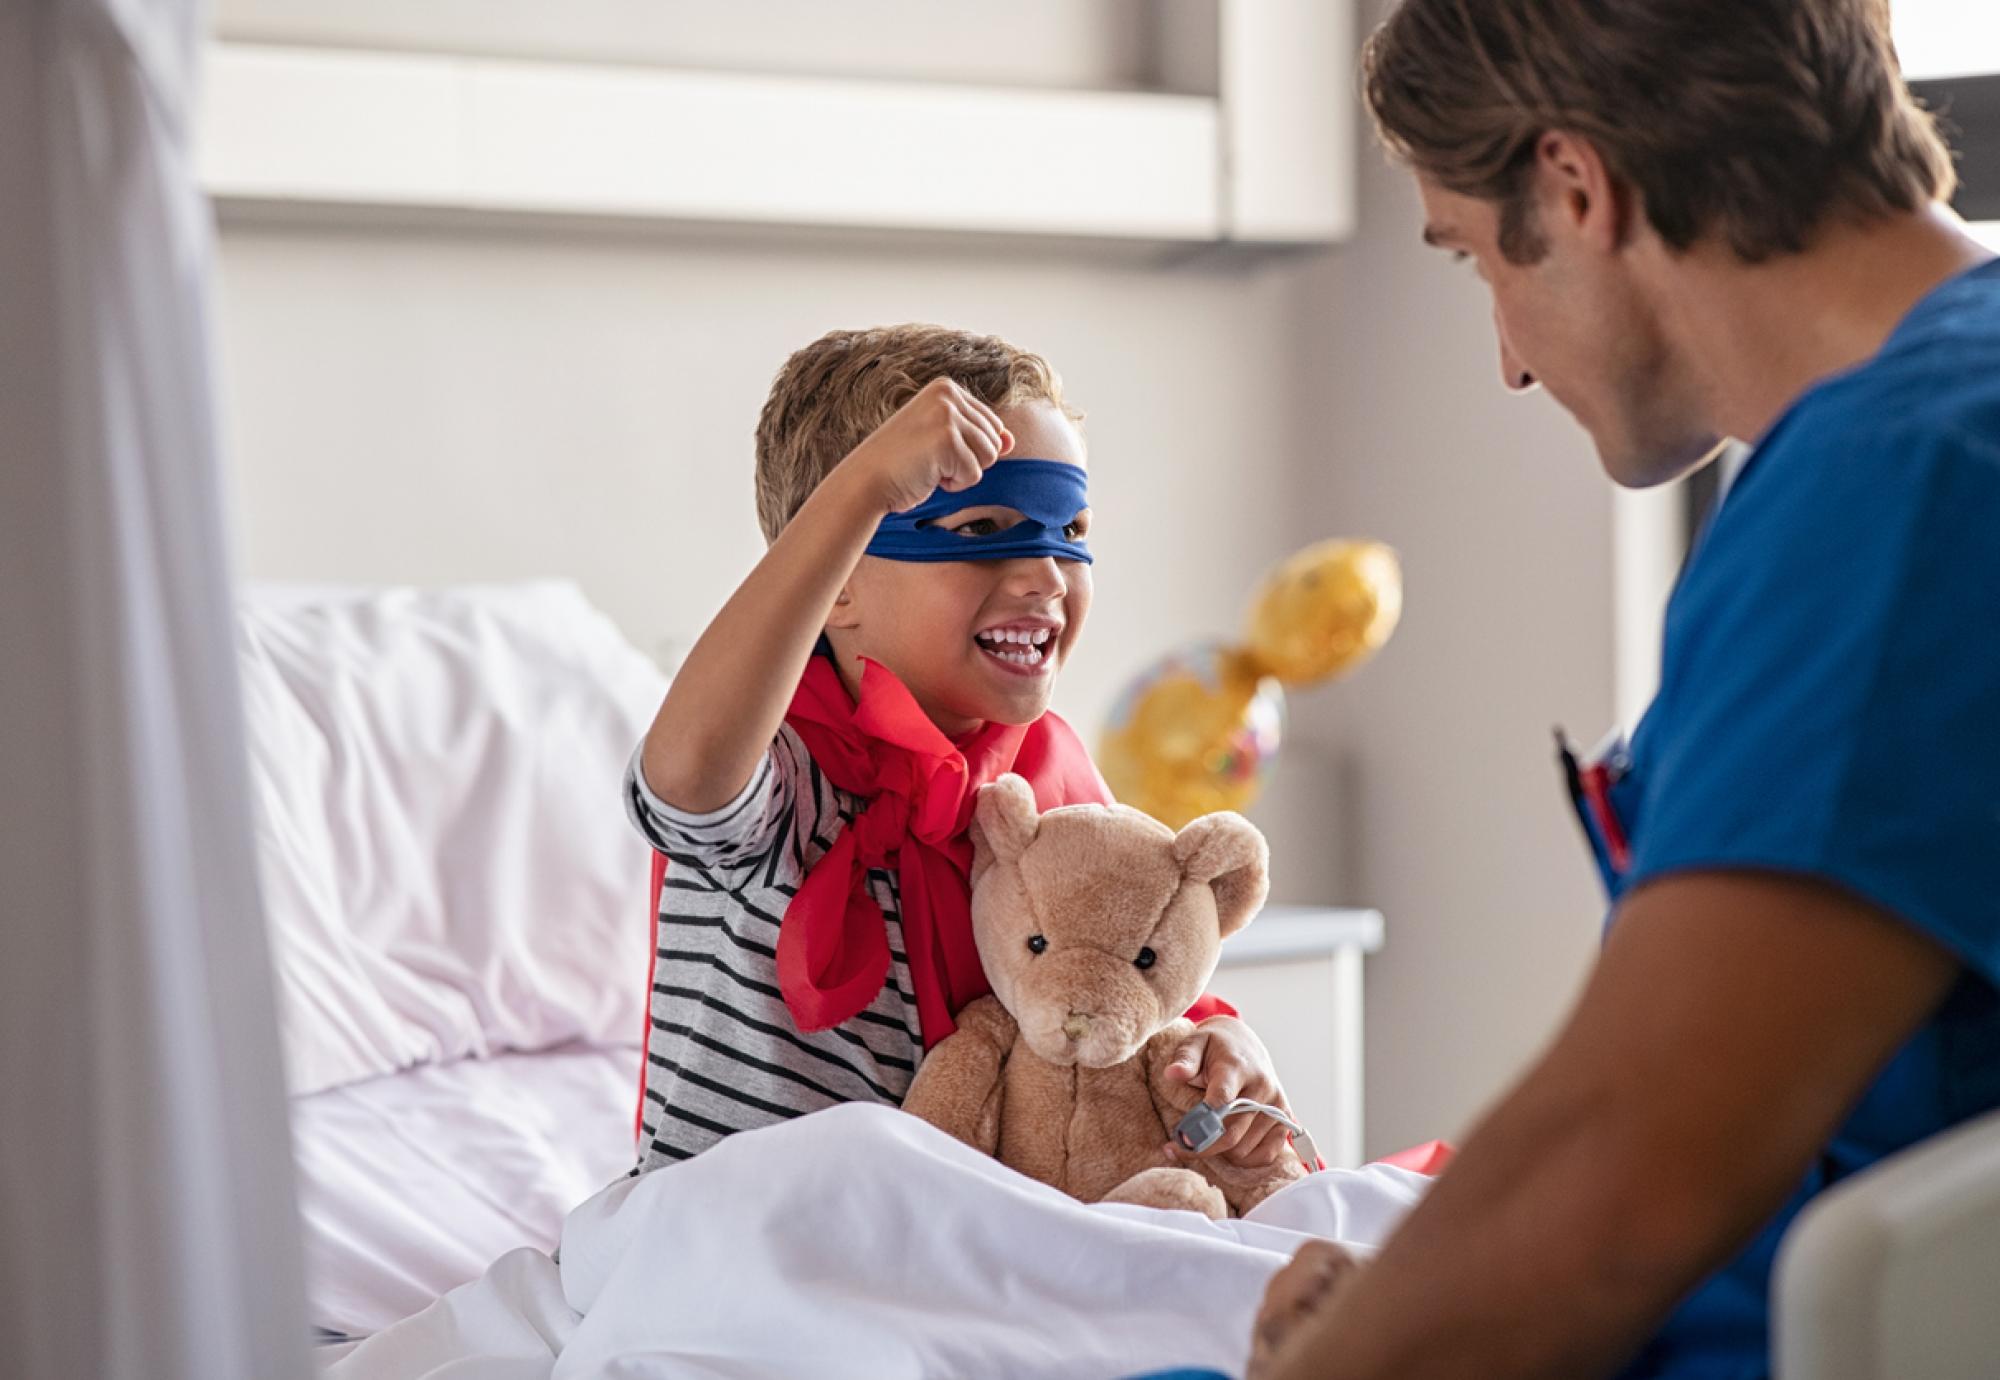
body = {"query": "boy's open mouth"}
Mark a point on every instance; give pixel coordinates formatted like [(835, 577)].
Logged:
[(1020, 648)]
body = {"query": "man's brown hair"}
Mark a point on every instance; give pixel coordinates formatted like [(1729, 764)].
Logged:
[(834, 392), (1756, 120)]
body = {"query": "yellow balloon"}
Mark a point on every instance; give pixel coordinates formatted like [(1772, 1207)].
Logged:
[(1325, 610), (1196, 733)]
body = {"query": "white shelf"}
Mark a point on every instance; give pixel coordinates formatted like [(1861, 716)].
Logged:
[(1289, 106), (1283, 934), (350, 128), (1268, 161)]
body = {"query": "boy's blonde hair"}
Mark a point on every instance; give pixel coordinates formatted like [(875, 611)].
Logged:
[(834, 392)]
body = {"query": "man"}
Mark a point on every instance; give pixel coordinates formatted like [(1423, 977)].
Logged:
[(1703, 219)]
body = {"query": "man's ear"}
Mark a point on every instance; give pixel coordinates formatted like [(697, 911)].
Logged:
[(1228, 853), (1574, 183), (1004, 823)]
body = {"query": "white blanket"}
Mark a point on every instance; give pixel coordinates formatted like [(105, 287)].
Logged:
[(861, 1242)]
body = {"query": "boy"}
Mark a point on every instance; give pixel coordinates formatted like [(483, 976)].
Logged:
[(810, 774)]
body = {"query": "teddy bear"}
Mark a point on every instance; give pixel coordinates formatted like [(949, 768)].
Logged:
[(1097, 926)]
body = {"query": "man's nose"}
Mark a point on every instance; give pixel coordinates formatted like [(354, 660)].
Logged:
[(1518, 377)]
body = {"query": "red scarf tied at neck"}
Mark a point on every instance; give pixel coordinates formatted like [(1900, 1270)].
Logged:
[(919, 788)]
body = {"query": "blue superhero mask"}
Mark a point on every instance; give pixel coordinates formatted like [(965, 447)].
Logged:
[(1048, 494)]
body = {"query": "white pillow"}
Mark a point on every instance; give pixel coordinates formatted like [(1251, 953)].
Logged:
[(446, 864)]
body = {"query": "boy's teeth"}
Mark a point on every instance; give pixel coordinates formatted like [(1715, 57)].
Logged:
[(1008, 649)]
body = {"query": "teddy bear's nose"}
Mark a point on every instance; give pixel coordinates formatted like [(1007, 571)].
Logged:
[(1077, 1026)]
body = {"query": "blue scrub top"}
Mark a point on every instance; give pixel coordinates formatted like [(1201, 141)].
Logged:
[(1829, 706)]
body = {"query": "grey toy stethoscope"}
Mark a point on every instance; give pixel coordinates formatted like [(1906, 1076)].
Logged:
[(1203, 1125)]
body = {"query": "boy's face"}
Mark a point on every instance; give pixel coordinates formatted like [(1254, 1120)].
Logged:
[(974, 641)]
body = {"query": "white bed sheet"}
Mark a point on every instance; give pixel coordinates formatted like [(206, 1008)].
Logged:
[(861, 1244), (413, 1184)]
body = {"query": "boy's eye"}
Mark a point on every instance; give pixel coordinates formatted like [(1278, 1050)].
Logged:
[(977, 523), (992, 526)]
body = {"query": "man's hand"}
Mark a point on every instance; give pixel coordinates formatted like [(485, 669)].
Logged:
[(1225, 1060), (1294, 1294), (1730, 1026), (943, 438)]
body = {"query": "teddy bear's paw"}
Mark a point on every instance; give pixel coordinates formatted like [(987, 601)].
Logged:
[(1171, 1188)]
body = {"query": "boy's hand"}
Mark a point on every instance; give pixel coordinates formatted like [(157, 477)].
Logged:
[(1225, 1059), (729, 699), (943, 438)]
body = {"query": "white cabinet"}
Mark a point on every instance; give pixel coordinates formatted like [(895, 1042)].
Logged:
[(1295, 975)]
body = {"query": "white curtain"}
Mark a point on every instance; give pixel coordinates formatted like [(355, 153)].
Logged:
[(146, 1220)]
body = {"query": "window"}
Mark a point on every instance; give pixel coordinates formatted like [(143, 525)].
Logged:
[(1951, 54), (1946, 38), (1970, 107)]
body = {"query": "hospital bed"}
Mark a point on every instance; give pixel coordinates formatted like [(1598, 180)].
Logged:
[(452, 895), (455, 907), (453, 899)]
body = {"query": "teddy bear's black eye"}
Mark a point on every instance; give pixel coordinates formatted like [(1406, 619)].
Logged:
[(1144, 960), (1036, 943)]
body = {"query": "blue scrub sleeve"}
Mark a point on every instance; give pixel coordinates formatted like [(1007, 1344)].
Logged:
[(1835, 676)]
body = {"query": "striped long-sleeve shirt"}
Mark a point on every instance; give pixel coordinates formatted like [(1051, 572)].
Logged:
[(723, 1053)]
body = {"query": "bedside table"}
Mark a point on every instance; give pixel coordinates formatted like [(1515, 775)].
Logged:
[(1295, 974)]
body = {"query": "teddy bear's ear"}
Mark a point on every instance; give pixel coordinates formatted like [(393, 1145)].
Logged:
[(1003, 823), (1226, 851)]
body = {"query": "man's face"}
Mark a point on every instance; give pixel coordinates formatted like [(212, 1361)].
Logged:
[(1581, 322)]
